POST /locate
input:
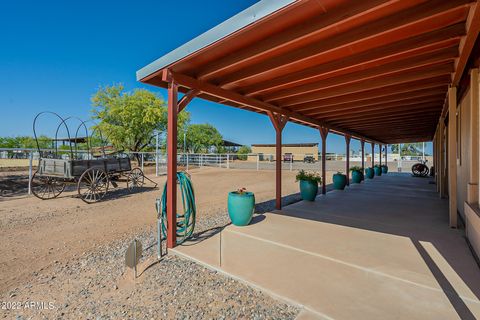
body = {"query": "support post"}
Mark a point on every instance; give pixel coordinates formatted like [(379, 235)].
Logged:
[(362, 144), (174, 107), (323, 134), (172, 164), (347, 147), (452, 155), (472, 187), (278, 122), (386, 155), (441, 158), (380, 154), (373, 154)]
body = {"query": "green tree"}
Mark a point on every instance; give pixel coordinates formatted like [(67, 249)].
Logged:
[(200, 137), (408, 149), (25, 142), (243, 151), (128, 119)]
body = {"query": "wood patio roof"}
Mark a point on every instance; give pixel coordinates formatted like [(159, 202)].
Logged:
[(375, 69)]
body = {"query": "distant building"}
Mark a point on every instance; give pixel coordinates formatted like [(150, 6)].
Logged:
[(299, 151)]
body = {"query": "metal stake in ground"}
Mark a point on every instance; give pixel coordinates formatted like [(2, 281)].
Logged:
[(133, 255)]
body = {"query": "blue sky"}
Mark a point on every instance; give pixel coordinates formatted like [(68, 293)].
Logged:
[(55, 54)]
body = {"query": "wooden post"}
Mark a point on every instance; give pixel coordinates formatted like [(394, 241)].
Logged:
[(362, 144), (452, 155), (380, 154), (173, 108), (373, 154), (278, 122), (347, 147), (386, 155), (472, 187), (172, 164), (441, 157), (323, 134)]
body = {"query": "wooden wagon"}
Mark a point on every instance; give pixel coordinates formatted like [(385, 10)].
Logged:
[(92, 177)]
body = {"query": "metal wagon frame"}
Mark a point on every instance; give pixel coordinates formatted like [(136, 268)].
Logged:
[(91, 176)]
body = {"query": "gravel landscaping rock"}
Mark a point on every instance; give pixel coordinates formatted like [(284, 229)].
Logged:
[(97, 286)]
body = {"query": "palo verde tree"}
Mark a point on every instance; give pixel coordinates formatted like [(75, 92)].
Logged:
[(129, 119)]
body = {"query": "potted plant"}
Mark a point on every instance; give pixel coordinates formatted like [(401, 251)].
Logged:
[(308, 184), (357, 174), (339, 181), (378, 170), (369, 173), (241, 205), (384, 168)]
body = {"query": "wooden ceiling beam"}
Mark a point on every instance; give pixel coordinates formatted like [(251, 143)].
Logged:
[(389, 69), (309, 29), (467, 42), (391, 127), (428, 16), (384, 118), (434, 83), (387, 111), (333, 105), (429, 42), (403, 77), (407, 103)]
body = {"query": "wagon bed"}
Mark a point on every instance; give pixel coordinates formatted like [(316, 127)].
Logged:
[(70, 169)]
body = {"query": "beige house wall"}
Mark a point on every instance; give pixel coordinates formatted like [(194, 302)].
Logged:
[(468, 136), (298, 152), (463, 151)]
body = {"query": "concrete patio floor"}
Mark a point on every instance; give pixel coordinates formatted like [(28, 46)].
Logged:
[(378, 250)]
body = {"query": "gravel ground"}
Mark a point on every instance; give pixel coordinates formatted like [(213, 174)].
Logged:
[(97, 286)]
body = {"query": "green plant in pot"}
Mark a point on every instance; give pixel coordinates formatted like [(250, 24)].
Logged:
[(357, 174), (308, 184), (384, 169), (378, 170), (339, 181), (241, 205), (369, 173)]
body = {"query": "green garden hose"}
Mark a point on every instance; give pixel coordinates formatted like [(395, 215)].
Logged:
[(185, 220)]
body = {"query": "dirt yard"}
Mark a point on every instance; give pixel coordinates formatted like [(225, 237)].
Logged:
[(38, 236)]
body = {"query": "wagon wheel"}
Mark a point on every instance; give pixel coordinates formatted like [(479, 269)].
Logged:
[(135, 179), (420, 170), (93, 185), (46, 187)]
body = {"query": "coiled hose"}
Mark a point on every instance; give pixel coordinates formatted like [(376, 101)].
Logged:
[(185, 220)]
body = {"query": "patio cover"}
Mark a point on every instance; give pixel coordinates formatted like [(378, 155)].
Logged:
[(377, 70)]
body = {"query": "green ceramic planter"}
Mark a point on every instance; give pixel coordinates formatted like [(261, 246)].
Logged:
[(308, 190), (339, 181), (384, 169), (357, 176), (378, 171), (369, 173), (241, 207)]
